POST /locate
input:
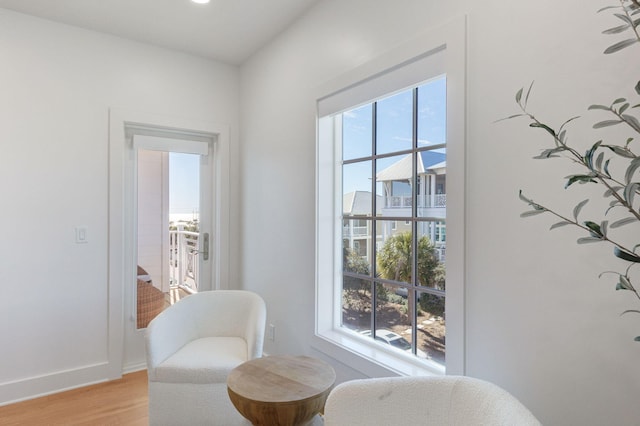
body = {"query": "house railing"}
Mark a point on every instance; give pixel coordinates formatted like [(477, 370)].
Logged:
[(183, 261), (426, 201), (355, 231)]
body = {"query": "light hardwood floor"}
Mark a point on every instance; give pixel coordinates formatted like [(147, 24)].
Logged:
[(119, 402)]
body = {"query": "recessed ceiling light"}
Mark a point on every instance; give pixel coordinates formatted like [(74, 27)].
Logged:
[(200, 1)]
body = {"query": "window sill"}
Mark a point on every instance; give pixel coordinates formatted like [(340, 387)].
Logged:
[(371, 359)]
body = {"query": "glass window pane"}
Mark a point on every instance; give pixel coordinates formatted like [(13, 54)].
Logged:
[(432, 184), (394, 123), (357, 246), (393, 253), (393, 320), (393, 185), (431, 267), (431, 326), (357, 140), (432, 112), (356, 303), (356, 186)]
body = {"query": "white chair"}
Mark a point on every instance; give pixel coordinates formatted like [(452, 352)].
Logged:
[(192, 346), (437, 400)]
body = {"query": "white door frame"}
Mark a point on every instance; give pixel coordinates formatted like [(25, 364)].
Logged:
[(121, 221)]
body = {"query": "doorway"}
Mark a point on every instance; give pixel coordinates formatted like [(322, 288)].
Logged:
[(171, 242), (129, 132)]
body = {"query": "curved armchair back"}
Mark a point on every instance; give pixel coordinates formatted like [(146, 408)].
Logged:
[(218, 313), (436, 400)]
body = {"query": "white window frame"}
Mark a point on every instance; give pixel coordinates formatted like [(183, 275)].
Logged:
[(389, 73)]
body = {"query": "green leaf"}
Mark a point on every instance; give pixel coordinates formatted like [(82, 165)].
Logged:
[(595, 230), (588, 240), (620, 286), (620, 45), (588, 156), (562, 135), (637, 339), (638, 88), (519, 95), (619, 101), (630, 192), (606, 168), (622, 222), (628, 311), (625, 18), (578, 208), (560, 224), (624, 284), (602, 107), (599, 160), (526, 98), (549, 153), (543, 126), (632, 121), (617, 30), (510, 117), (608, 7), (633, 166), (569, 121), (606, 123), (624, 255), (523, 198), (609, 192), (531, 213), (579, 178), (623, 108), (623, 152)]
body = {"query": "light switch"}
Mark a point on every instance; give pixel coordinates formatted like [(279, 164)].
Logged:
[(81, 235)]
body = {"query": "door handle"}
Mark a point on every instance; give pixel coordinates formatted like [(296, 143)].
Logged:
[(204, 249)]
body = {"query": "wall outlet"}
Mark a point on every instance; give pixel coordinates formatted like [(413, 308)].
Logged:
[(271, 332)]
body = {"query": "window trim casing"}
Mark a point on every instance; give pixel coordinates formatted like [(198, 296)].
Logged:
[(339, 343)]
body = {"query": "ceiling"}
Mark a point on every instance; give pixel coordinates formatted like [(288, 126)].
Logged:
[(225, 30)]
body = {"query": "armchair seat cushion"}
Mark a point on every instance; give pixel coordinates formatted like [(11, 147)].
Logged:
[(204, 360)]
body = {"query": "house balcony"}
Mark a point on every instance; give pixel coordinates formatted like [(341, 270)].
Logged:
[(355, 231), (424, 201), (431, 206)]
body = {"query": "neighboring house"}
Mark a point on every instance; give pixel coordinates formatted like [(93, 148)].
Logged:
[(431, 196), (356, 233)]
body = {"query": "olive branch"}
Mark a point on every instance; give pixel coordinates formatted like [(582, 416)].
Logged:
[(621, 190)]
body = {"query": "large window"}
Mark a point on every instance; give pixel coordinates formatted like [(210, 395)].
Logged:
[(394, 291), (390, 189)]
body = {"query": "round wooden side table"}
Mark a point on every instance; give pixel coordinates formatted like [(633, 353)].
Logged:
[(280, 390)]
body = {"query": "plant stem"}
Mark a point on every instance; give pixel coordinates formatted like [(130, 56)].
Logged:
[(578, 158)]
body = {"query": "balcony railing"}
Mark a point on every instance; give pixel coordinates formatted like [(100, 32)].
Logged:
[(183, 261), (355, 231), (424, 201)]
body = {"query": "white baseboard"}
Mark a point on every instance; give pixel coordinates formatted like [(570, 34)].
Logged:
[(34, 387)]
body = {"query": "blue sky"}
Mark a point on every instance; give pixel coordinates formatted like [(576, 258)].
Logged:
[(394, 133), (184, 183), (394, 126)]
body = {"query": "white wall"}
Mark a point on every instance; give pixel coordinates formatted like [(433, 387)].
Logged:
[(539, 321), (57, 84)]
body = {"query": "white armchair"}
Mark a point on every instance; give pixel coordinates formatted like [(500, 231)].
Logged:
[(438, 400), (192, 346)]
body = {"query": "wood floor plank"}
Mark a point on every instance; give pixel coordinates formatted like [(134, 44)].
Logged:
[(118, 402)]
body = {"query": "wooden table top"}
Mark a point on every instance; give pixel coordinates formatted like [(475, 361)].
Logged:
[(281, 378)]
